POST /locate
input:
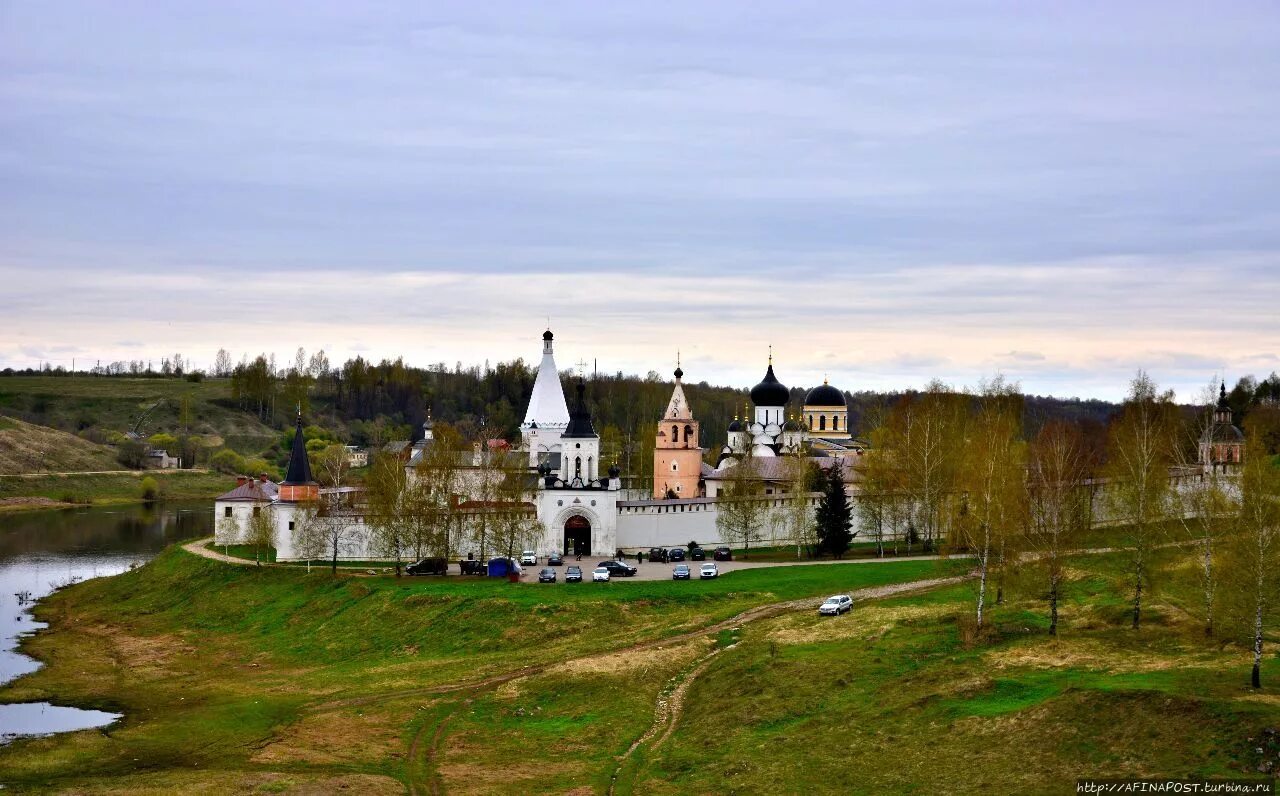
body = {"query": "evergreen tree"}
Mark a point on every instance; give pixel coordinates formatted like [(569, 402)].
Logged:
[(834, 516)]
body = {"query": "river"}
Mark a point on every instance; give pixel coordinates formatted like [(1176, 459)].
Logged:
[(44, 550)]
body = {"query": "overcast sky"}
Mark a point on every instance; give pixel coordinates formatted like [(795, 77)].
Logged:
[(888, 193)]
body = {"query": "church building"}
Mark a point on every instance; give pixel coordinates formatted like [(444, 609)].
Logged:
[(677, 456)]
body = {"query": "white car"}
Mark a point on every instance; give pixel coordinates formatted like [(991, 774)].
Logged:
[(600, 575), (835, 605), (708, 571), (528, 557)]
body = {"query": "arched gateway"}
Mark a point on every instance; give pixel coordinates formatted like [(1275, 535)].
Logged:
[(577, 536)]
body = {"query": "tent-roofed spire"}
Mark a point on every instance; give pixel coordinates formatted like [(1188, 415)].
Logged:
[(299, 470)]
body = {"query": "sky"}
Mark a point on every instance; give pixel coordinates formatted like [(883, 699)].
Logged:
[(885, 193)]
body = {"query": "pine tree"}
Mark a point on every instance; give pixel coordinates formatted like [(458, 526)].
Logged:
[(834, 516)]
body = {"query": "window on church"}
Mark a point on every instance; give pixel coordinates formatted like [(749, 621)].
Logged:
[(675, 466), (226, 512), (822, 423), (675, 433), (688, 434), (835, 423), (577, 467)]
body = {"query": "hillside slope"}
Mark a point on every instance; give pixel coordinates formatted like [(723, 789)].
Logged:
[(28, 448)]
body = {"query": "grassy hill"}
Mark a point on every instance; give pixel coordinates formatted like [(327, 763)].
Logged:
[(28, 448), (238, 678), (79, 404)]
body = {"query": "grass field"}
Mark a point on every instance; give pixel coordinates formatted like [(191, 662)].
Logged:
[(272, 680), (74, 403), (113, 488), (27, 448)]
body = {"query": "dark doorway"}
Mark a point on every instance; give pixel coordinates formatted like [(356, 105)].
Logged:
[(577, 536)]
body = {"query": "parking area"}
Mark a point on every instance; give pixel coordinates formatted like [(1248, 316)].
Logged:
[(658, 571)]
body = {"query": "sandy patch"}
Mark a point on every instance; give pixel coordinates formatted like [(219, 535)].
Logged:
[(866, 622), (635, 660), (1090, 654), (150, 656), (338, 737)]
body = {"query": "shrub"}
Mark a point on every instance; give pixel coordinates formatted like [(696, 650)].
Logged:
[(131, 454), (150, 489), (227, 461)]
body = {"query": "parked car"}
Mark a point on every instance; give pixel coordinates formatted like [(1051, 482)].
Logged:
[(680, 572), (600, 575), (528, 557), (675, 554), (697, 554), (617, 568), (573, 574), (471, 567), (658, 554), (428, 566), (547, 575), (555, 560), (722, 554), (835, 605), (709, 571)]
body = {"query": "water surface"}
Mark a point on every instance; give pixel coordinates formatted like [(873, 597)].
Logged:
[(44, 550)]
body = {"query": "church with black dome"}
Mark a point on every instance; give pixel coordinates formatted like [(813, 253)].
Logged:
[(767, 430)]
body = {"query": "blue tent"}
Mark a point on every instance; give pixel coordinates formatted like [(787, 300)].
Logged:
[(500, 567)]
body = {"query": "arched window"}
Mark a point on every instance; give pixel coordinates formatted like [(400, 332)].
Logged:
[(577, 467), (675, 467), (589, 460), (675, 433), (835, 422), (688, 435), (822, 422)]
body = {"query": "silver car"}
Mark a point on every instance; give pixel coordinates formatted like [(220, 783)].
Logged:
[(835, 605)]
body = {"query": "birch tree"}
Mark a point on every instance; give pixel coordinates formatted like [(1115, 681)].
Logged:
[(1202, 501), (741, 506), (260, 531), (1059, 503), (1256, 556), (794, 518), (385, 488), (1137, 491), (993, 510)]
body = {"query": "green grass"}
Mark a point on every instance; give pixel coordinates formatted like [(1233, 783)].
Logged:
[(73, 403), (229, 674), (117, 488)]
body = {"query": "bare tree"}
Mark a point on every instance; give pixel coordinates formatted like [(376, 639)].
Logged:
[(794, 517), (384, 492), (1138, 462), (992, 513), (1059, 502), (742, 509), (331, 465), (321, 530), (222, 364), (1202, 501), (260, 531), (1257, 543)]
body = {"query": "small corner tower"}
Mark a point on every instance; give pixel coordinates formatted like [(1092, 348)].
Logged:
[(677, 456), (1222, 444), (298, 486)]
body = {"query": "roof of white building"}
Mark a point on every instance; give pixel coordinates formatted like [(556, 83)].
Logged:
[(547, 406)]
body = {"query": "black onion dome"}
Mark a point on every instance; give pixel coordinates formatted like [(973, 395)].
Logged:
[(547, 335), (791, 425), (1222, 397), (735, 425), (614, 471), (770, 391), (825, 395), (580, 418), (679, 373)]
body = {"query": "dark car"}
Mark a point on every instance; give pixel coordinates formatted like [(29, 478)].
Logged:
[(697, 554), (555, 560), (658, 554), (723, 554), (428, 566), (547, 575), (680, 572), (472, 567), (617, 568), (573, 574), (675, 554)]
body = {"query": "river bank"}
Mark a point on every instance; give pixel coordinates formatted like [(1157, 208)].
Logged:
[(33, 492)]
